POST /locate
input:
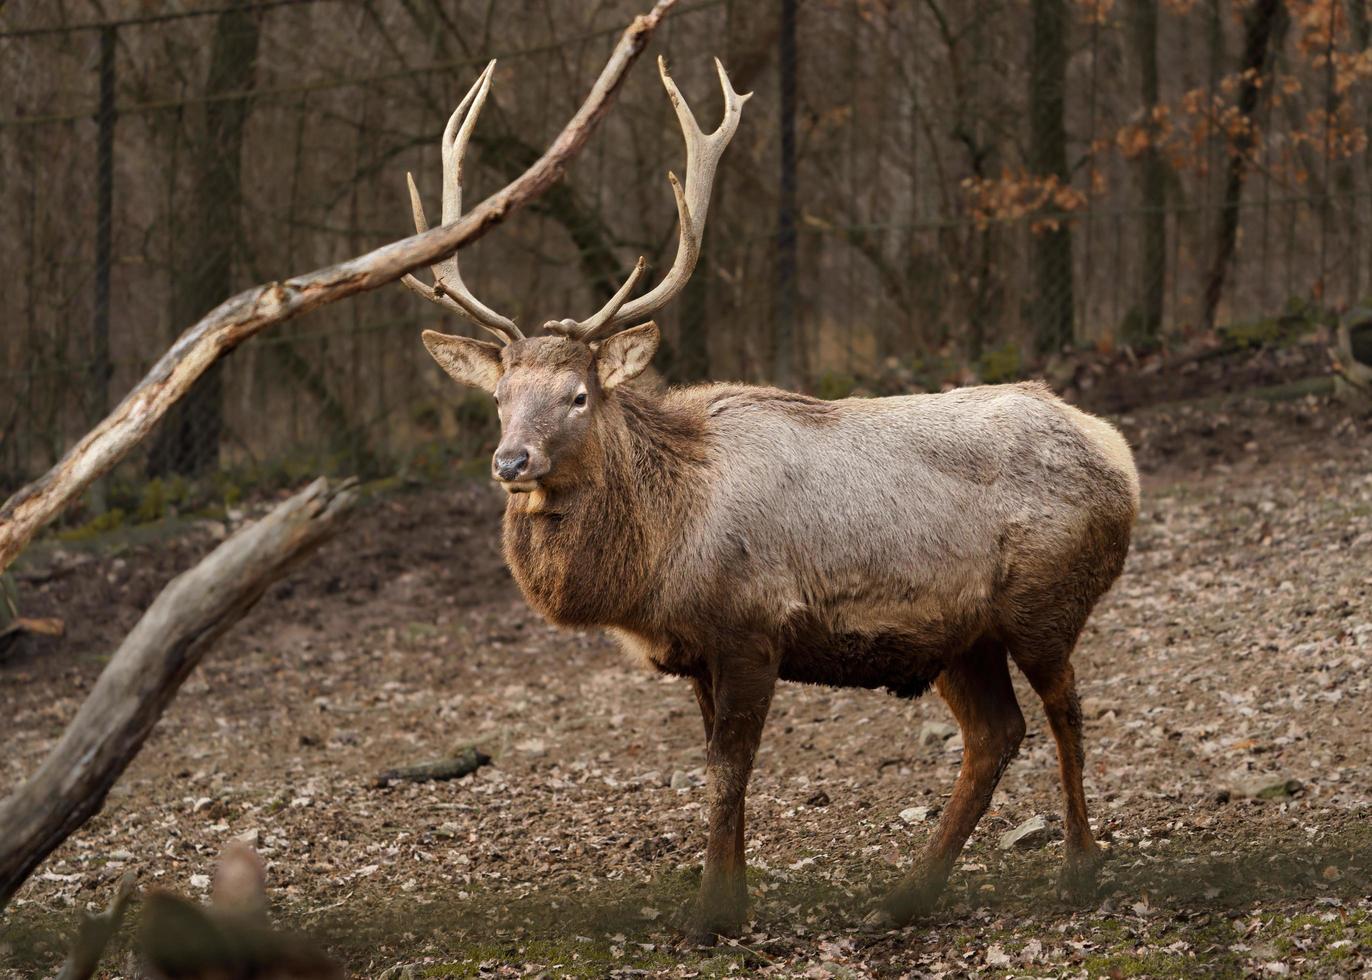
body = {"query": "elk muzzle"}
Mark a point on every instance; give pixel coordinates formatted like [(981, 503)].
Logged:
[(510, 466), (518, 468)]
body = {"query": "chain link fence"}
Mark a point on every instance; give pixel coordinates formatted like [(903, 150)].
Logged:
[(918, 191)]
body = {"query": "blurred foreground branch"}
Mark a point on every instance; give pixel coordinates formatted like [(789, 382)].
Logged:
[(251, 312), (96, 931), (147, 670)]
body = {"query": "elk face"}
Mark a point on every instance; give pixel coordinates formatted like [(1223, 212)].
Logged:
[(550, 392)]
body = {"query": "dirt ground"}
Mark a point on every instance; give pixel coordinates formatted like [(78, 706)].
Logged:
[(1226, 687)]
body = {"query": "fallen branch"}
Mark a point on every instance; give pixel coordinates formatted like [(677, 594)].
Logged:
[(468, 761), (22, 627), (251, 312), (145, 672), (95, 933)]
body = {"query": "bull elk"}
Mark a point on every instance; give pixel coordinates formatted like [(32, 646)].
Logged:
[(737, 535)]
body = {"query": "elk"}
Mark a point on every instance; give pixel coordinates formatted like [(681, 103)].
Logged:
[(736, 535)]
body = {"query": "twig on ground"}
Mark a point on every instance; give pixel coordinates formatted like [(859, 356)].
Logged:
[(468, 761)]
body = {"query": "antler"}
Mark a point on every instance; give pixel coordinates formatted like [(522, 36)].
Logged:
[(448, 290), (702, 157)]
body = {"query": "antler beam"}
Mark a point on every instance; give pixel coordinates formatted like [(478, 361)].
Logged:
[(703, 153)]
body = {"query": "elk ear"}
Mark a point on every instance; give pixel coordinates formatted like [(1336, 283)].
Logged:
[(623, 356), (467, 361)]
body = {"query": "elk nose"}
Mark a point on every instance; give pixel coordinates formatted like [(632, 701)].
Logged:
[(508, 466)]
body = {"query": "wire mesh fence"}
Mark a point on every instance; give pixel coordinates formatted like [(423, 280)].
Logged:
[(917, 191)]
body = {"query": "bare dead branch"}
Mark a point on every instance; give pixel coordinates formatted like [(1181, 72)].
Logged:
[(143, 676), (253, 311)]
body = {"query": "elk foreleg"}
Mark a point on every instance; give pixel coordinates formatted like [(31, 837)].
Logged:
[(978, 691), (734, 703)]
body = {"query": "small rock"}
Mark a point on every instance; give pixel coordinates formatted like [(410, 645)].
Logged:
[(818, 799), (249, 837), (1092, 708), (915, 814), (936, 731), (201, 882), (680, 780), (1032, 833)]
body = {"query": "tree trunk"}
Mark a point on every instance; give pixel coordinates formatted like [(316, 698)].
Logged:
[(784, 359), (1145, 320), (189, 441), (1051, 249), (104, 232), (1260, 21)]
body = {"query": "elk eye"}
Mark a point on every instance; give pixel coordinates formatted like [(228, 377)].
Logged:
[(580, 399)]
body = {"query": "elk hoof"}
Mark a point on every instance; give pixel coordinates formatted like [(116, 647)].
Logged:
[(911, 899), (707, 931), (879, 920), (1078, 882), (711, 920)]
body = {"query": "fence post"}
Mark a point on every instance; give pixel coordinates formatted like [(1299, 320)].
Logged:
[(100, 370)]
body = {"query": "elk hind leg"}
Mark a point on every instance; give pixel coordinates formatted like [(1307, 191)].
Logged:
[(978, 691), (1054, 681)]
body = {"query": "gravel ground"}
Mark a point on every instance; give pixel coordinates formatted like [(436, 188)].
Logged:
[(1226, 689)]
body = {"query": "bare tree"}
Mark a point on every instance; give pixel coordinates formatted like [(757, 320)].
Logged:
[(1051, 305), (1261, 21), (784, 360), (203, 269), (1145, 320)]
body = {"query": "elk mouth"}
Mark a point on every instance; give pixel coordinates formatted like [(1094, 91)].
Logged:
[(519, 486)]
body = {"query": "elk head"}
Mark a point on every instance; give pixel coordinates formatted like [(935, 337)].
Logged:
[(550, 389)]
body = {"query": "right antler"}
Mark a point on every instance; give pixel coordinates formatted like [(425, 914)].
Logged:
[(702, 157), (448, 290)]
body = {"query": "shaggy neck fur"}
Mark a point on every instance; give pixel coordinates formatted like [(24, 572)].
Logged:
[(590, 552)]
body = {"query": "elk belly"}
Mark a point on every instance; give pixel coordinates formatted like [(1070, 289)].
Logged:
[(904, 660)]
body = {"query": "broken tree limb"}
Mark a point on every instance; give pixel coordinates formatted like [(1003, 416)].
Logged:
[(144, 674), (95, 932), (251, 312), (468, 761)]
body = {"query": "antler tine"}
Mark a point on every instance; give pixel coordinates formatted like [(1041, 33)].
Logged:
[(703, 153), (590, 329), (448, 290)]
